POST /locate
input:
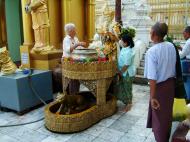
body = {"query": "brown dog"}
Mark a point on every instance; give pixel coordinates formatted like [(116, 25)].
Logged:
[(71, 104)]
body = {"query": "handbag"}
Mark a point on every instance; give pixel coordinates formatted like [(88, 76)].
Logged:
[(179, 84)]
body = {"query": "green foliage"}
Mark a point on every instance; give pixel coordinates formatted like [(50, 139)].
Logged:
[(129, 31), (169, 38)]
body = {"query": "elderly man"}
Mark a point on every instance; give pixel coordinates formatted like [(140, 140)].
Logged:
[(71, 42), (185, 51), (160, 70)]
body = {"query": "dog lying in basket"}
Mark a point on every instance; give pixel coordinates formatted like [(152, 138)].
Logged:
[(70, 104)]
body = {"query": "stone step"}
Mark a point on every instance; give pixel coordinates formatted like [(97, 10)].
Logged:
[(139, 79), (142, 63), (140, 71)]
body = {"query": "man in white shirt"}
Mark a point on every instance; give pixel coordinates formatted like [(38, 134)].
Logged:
[(160, 64), (70, 41), (185, 51)]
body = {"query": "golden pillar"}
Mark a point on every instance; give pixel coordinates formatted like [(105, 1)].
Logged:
[(27, 26), (90, 19), (54, 8), (65, 6), (73, 11), (28, 36)]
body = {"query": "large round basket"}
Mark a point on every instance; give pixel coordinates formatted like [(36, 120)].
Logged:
[(89, 70), (79, 121), (105, 106)]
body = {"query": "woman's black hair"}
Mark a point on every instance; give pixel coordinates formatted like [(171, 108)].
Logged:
[(129, 40)]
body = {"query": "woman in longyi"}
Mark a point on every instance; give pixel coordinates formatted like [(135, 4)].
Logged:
[(126, 70)]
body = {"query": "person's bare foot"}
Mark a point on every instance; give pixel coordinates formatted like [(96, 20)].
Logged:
[(128, 107)]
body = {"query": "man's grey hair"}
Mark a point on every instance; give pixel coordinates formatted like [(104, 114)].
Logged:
[(161, 29), (69, 27)]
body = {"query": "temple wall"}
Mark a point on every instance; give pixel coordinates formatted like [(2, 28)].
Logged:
[(176, 13)]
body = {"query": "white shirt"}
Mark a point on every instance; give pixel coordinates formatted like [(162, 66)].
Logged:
[(160, 62), (67, 42), (185, 50)]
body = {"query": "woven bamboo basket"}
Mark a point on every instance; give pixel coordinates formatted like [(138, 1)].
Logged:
[(99, 72), (89, 70), (79, 121)]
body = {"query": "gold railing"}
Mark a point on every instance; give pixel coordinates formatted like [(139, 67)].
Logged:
[(155, 2), (174, 12)]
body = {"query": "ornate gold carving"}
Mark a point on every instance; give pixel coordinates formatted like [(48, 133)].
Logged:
[(40, 25), (106, 20), (6, 64)]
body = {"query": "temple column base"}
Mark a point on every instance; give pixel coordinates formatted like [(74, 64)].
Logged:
[(33, 60), (43, 50), (45, 61)]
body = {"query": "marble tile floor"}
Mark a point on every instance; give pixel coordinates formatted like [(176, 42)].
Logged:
[(121, 127)]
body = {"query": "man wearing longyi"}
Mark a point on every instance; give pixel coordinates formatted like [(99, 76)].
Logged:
[(160, 70)]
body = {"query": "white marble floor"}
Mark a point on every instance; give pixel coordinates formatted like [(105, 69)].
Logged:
[(121, 127)]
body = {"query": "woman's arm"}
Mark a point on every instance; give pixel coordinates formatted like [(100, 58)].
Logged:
[(76, 45), (124, 69), (73, 47)]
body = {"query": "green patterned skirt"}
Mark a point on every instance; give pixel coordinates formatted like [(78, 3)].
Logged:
[(123, 89)]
